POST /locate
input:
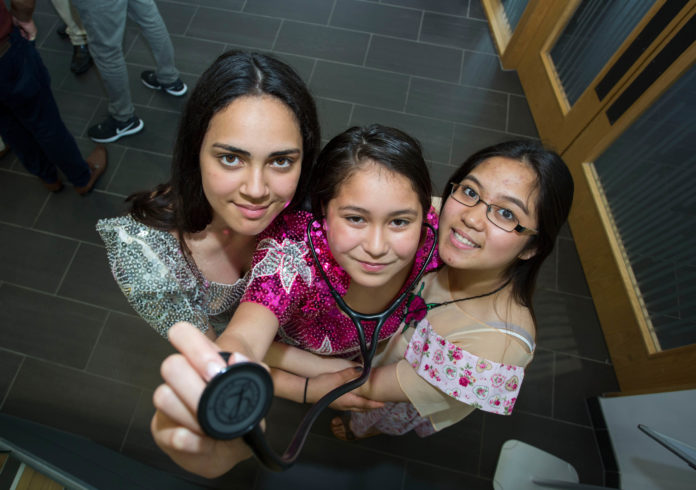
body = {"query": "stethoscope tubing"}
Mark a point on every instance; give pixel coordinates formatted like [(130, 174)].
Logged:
[(255, 437)]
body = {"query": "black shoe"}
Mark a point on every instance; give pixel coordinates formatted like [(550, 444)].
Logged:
[(81, 59), (111, 130), (62, 31), (177, 88)]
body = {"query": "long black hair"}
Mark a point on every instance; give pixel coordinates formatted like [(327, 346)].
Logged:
[(555, 186), (180, 203), (350, 150)]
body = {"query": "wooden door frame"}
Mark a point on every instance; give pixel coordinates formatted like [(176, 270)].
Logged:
[(557, 121), (511, 46), (638, 364)]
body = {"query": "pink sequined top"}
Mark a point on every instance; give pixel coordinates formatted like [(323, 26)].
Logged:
[(284, 279)]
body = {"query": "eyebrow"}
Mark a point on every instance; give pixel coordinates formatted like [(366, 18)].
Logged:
[(234, 149), (400, 212), (511, 199)]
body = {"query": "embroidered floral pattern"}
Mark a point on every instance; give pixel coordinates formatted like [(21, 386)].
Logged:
[(487, 385), (285, 259)]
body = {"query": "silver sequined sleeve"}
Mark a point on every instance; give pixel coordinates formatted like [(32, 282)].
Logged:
[(158, 281)]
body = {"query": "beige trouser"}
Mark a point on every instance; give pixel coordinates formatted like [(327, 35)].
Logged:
[(69, 15)]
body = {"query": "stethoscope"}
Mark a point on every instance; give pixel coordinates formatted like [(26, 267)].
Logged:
[(236, 400)]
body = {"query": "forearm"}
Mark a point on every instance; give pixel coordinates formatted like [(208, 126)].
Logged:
[(250, 332), (383, 386), (289, 386), (303, 363), (23, 10)]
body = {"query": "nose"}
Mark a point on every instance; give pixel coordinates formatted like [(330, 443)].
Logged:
[(475, 217), (254, 186), (375, 243)]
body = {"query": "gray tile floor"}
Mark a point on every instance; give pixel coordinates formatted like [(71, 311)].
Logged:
[(75, 357)]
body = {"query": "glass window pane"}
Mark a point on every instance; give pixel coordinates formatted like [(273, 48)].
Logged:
[(649, 179), (513, 11), (595, 32)]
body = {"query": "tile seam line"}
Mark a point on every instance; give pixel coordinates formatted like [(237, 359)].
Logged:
[(410, 75), (92, 351), (51, 233), (131, 421), (67, 268), (66, 298), (430, 118), (574, 295), (399, 457), (330, 26), (193, 15), (14, 379), (77, 370), (555, 419), (389, 5), (574, 356)]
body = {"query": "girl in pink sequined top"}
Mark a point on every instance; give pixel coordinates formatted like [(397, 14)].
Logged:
[(469, 331), (371, 196)]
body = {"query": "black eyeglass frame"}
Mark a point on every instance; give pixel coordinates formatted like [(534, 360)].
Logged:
[(522, 230)]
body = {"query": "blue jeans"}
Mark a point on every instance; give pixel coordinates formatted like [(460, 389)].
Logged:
[(30, 122)]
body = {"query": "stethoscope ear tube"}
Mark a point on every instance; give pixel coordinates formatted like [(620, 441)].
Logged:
[(236, 400)]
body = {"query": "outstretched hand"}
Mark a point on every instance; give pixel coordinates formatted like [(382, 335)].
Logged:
[(175, 426)]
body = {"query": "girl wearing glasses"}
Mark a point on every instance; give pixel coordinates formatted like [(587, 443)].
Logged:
[(469, 331)]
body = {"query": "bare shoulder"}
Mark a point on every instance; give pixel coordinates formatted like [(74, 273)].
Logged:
[(510, 312), (521, 316)]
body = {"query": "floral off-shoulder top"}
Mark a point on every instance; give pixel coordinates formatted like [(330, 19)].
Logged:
[(450, 363)]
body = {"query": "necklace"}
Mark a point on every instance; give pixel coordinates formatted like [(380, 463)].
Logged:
[(430, 306)]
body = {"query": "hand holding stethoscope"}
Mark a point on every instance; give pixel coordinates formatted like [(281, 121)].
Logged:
[(236, 400)]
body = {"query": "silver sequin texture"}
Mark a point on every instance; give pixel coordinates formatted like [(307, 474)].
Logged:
[(161, 284)]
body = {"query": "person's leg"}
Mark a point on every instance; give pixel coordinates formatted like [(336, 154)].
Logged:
[(26, 149), (31, 123), (146, 15), (105, 21), (68, 14), (81, 59)]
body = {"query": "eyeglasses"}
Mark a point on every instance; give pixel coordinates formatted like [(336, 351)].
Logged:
[(500, 217)]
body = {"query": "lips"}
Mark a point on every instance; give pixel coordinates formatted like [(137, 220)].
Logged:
[(462, 240), (252, 212), (372, 266)]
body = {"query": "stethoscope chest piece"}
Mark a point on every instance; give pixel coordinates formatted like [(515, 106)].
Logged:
[(235, 401)]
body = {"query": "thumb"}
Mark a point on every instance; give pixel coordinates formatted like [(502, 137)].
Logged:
[(350, 373)]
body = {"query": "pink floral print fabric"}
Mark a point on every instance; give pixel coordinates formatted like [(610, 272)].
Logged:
[(483, 384)]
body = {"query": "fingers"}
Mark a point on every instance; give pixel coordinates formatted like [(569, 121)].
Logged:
[(200, 351), (166, 401), (170, 436), (355, 403), (349, 374), (183, 380)]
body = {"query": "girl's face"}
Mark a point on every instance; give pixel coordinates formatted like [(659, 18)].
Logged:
[(468, 240), (251, 158), (374, 225)]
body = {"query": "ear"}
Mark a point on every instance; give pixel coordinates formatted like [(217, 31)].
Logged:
[(527, 254)]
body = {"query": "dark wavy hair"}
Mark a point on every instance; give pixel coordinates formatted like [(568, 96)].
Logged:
[(180, 203), (555, 197), (352, 149)]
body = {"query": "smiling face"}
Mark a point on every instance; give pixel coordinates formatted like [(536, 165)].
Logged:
[(374, 226), (250, 163), (468, 240)]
